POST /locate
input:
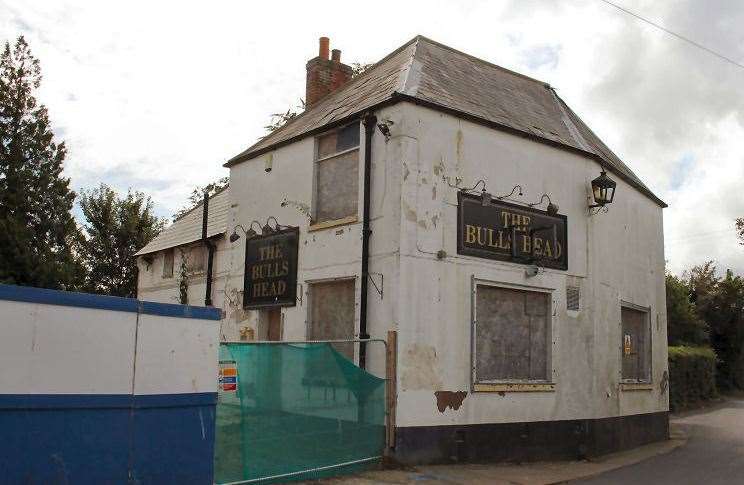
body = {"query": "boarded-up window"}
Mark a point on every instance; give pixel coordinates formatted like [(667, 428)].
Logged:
[(168, 263), (332, 313), (337, 174), (512, 335), (636, 345), (196, 259)]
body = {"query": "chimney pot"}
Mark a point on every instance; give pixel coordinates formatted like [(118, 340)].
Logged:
[(323, 75), (323, 50)]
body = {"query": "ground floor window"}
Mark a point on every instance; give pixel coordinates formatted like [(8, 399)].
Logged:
[(512, 332), (635, 345), (332, 313)]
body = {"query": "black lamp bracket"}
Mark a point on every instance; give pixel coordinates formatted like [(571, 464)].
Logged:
[(595, 209)]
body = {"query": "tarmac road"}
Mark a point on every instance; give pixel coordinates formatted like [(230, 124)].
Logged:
[(713, 455)]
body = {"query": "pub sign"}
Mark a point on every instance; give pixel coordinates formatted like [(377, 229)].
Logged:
[(271, 269), (488, 231)]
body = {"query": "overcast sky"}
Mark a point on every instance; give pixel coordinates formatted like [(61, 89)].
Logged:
[(157, 95)]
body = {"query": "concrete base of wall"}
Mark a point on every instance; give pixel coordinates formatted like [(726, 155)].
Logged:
[(533, 441)]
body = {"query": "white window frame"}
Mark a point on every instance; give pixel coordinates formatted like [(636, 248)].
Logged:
[(513, 385)]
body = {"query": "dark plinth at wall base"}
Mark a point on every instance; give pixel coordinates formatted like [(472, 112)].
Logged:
[(533, 441)]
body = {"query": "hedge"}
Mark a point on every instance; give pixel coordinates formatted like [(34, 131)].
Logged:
[(692, 376)]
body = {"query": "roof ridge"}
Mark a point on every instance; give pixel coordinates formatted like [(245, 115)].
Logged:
[(482, 61)]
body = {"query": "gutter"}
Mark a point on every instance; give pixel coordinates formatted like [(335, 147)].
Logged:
[(210, 249), (370, 122)]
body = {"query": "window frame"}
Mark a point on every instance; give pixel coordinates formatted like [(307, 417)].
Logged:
[(317, 160), (629, 383), (169, 275), (513, 385), (309, 286)]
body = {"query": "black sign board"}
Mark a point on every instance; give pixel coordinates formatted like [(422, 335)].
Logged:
[(487, 231), (271, 269)]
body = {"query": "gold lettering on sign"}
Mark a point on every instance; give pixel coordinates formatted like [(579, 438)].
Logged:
[(470, 234), (271, 265), (526, 243), (537, 246)]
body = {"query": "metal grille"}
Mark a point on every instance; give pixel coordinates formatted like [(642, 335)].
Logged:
[(573, 296)]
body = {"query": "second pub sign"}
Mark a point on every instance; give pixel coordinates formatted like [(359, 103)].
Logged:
[(271, 269)]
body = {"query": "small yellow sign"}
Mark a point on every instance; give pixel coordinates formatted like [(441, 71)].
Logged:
[(626, 344)]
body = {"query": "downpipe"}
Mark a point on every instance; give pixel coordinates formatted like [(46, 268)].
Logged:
[(370, 123)]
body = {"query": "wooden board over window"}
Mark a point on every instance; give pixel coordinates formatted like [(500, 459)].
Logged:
[(332, 313), (337, 175), (511, 335), (635, 345)]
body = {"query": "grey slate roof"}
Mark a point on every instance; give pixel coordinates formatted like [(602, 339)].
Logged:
[(188, 228), (425, 72)]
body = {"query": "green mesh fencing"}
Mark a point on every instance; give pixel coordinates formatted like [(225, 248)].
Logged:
[(300, 411)]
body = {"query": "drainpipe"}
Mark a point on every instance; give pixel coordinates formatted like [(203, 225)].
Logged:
[(370, 122), (210, 248)]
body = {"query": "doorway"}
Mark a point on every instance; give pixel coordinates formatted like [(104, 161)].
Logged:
[(274, 324)]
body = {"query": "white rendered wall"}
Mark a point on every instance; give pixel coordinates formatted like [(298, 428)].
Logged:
[(612, 257), (151, 286), (323, 254)]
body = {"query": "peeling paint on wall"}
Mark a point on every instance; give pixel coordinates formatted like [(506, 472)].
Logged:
[(409, 213), (450, 399)]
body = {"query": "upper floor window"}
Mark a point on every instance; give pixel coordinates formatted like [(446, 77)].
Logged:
[(337, 175)]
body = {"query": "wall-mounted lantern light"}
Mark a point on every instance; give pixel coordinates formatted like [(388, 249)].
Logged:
[(603, 190)]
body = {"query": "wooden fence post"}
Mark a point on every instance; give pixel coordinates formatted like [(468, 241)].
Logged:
[(391, 364)]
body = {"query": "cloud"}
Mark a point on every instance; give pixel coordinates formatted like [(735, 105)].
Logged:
[(540, 56), (681, 171), (157, 95)]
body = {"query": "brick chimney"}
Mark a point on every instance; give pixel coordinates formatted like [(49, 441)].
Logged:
[(324, 75)]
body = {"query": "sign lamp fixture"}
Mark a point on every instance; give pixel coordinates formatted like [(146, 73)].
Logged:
[(603, 190), (248, 234)]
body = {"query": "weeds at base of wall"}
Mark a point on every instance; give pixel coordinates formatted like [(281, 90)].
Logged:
[(692, 376)]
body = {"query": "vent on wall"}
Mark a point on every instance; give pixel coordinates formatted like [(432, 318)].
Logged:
[(573, 295)]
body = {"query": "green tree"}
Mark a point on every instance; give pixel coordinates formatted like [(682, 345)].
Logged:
[(725, 314), (37, 230), (740, 229), (280, 119), (684, 325), (115, 228), (720, 302), (197, 195)]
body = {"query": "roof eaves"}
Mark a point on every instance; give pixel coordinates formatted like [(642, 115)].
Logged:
[(144, 251)]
